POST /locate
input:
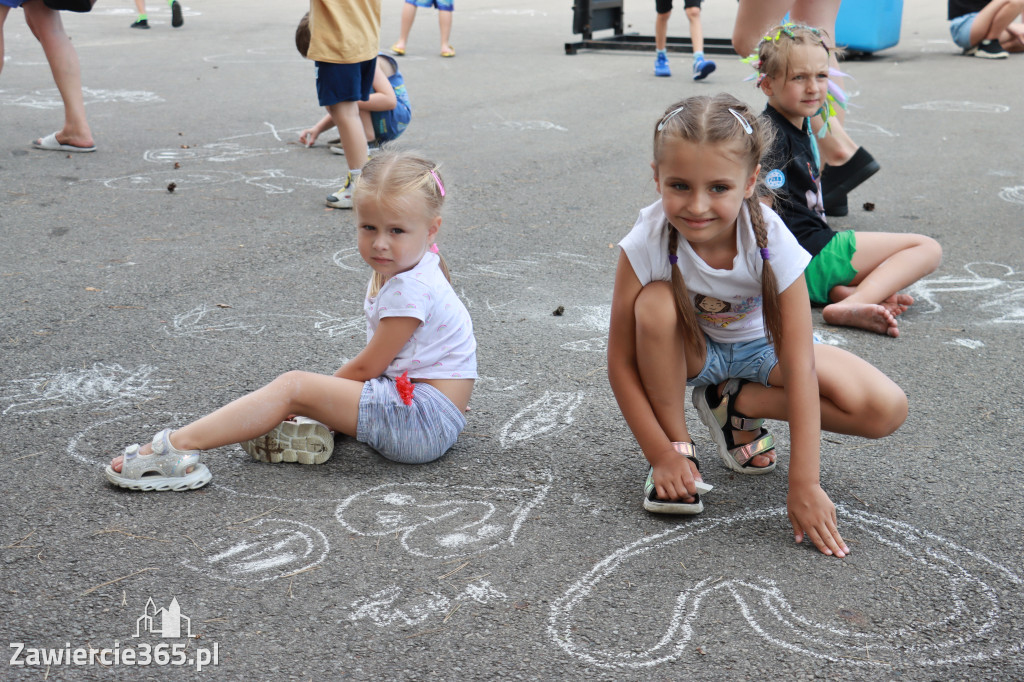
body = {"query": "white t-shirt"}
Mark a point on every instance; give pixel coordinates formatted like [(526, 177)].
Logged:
[(443, 346), (727, 302)]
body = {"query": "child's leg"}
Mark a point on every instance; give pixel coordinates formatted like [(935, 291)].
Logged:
[(328, 399), (4, 10), (886, 263), (367, 120), (350, 129), (444, 22), (696, 32), (994, 18), (408, 16), (856, 398), (661, 30)]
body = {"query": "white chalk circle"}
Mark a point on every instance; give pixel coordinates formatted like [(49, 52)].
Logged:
[(641, 606), (265, 550), (1014, 195), (182, 179)]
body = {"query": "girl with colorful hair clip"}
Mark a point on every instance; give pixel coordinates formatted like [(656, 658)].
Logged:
[(750, 356), (856, 276), (404, 394)]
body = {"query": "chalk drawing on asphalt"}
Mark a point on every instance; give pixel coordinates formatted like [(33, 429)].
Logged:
[(1001, 288), (973, 344), (443, 521), (958, 106), (390, 607), (976, 625), (546, 416), (217, 323), (99, 387), (261, 551), (1014, 195), (519, 126), (271, 181), (219, 152), (50, 98), (862, 128)]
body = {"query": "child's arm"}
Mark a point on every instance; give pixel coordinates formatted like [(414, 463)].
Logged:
[(673, 477), (383, 96), (309, 135), (810, 510), (391, 336)]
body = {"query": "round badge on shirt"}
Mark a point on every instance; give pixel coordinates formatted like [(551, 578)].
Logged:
[(775, 179)]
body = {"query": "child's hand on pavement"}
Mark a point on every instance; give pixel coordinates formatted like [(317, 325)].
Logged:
[(812, 513), (674, 477), (308, 136)]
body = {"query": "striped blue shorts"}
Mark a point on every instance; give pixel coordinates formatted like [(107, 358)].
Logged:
[(410, 434)]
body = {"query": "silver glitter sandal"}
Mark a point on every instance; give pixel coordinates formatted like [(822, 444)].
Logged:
[(167, 469)]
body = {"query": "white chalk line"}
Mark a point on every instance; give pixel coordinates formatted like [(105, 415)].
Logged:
[(216, 323), (915, 547), (1008, 301), (102, 386), (546, 416), (380, 608)]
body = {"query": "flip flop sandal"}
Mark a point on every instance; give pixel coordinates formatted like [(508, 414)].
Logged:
[(723, 419), (167, 469), (301, 440), (50, 144), (448, 53), (399, 51), (658, 506)]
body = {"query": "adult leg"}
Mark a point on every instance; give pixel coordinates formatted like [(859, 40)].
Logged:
[(47, 27), (328, 399), (856, 398), (444, 22), (408, 16), (886, 263)]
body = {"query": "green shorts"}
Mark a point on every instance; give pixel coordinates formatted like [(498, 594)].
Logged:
[(831, 267)]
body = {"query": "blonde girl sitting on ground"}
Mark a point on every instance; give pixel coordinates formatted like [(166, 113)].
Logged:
[(750, 359), (417, 329)]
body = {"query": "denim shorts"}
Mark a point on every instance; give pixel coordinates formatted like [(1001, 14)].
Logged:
[(960, 29), (337, 83), (750, 360), (410, 434), (443, 5)]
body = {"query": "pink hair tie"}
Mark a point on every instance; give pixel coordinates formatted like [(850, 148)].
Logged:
[(434, 249), (440, 187)]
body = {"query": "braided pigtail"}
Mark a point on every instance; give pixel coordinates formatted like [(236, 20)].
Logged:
[(684, 305), (769, 285)]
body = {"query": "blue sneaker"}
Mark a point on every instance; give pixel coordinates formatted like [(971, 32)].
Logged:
[(661, 67), (702, 68)]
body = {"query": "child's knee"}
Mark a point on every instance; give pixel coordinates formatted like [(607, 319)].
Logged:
[(655, 305), (886, 412), (932, 247)]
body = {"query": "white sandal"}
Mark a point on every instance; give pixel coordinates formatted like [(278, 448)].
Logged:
[(166, 469), (301, 440), (653, 503)]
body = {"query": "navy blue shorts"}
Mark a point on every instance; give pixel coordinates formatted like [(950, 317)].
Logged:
[(344, 82)]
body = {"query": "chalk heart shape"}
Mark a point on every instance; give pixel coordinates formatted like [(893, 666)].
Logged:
[(903, 597), (442, 521), (264, 550)]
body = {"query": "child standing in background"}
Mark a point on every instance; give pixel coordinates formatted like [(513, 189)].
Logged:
[(343, 43), (748, 352), (702, 67), (445, 9), (142, 21), (417, 329), (857, 276)]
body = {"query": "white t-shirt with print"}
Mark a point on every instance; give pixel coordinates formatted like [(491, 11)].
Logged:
[(443, 346), (727, 302)]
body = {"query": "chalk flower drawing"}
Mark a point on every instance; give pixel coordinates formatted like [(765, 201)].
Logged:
[(268, 549), (546, 416), (442, 521), (671, 605), (98, 387)]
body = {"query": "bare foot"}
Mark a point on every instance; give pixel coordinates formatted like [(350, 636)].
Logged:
[(871, 316), (897, 304)]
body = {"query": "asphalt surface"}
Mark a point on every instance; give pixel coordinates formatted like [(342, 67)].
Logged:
[(525, 552)]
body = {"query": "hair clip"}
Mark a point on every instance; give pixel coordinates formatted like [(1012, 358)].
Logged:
[(434, 249), (743, 121), (440, 187), (668, 117)]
